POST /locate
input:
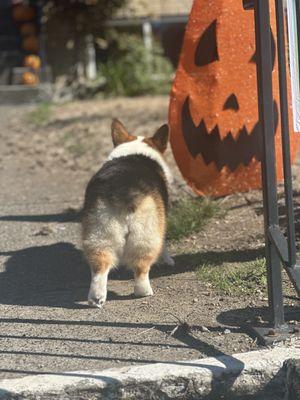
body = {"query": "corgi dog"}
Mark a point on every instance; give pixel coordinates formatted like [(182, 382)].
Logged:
[(124, 213)]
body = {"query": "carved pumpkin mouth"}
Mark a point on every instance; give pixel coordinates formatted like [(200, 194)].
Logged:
[(227, 151)]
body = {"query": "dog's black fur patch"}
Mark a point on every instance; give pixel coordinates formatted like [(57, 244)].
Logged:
[(124, 181)]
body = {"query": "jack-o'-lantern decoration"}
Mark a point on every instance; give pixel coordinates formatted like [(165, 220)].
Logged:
[(28, 29), (213, 116), (21, 12), (29, 78), (30, 44), (32, 61)]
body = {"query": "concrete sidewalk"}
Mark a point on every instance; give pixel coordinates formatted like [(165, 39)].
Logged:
[(267, 375)]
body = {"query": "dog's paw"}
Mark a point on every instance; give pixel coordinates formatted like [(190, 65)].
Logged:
[(97, 296), (141, 290), (169, 261), (96, 302), (166, 259)]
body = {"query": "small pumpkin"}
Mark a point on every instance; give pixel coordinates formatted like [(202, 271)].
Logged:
[(28, 29), (213, 115), (22, 12), (32, 61), (29, 78), (30, 44)]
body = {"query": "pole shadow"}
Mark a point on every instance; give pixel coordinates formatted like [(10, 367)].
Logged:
[(68, 215)]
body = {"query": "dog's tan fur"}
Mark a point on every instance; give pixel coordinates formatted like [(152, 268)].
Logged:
[(100, 261), (115, 236)]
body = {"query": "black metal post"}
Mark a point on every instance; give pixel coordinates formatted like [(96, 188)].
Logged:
[(297, 3), (285, 135), (278, 248), (266, 117), (292, 269)]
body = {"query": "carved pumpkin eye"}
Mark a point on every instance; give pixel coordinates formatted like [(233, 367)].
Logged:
[(273, 51), (207, 50)]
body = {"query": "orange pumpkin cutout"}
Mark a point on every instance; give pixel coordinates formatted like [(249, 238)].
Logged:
[(31, 44), (30, 79), (21, 12), (33, 62), (213, 114), (28, 29)]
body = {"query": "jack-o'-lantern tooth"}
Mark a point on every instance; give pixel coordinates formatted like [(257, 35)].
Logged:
[(225, 151)]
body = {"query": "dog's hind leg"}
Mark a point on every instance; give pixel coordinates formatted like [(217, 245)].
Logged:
[(166, 258), (100, 261), (142, 286)]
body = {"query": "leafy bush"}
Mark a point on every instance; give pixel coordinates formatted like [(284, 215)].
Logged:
[(85, 16), (133, 70)]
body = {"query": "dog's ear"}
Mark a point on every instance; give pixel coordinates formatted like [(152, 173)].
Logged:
[(160, 138), (119, 133)]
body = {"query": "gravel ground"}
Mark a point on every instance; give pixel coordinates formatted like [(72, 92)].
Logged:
[(46, 325)]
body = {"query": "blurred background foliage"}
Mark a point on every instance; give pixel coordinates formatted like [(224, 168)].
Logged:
[(132, 69), (87, 16), (78, 48), (127, 66)]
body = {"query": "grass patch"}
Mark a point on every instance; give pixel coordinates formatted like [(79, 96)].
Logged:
[(236, 278), (77, 149), (190, 216), (67, 137), (73, 144), (41, 115)]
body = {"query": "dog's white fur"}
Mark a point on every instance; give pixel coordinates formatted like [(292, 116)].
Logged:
[(98, 289), (124, 234), (139, 147)]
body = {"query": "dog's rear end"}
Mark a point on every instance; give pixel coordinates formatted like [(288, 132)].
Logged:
[(124, 216)]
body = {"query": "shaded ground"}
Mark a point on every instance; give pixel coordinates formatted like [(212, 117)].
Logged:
[(45, 322)]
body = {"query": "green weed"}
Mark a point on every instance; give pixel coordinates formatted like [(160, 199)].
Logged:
[(41, 115), (235, 278), (73, 144), (190, 216), (77, 149)]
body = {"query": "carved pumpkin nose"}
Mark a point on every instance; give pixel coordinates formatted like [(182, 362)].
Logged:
[(231, 103)]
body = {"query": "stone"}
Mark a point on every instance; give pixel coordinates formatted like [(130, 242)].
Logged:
[(267, 374)]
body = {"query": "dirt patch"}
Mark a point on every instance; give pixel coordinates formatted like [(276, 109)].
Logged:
[(45, 324)]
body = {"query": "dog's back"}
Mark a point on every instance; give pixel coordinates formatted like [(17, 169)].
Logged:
[(123, 183)]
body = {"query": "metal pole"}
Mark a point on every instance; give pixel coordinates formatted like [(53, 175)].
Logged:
[(285, 134), (266, 117), (297, 3)]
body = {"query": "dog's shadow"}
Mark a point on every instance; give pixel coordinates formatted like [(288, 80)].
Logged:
[(52, 275), (57, 275)]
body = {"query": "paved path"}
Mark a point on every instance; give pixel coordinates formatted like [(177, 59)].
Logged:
[(45, 323)]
